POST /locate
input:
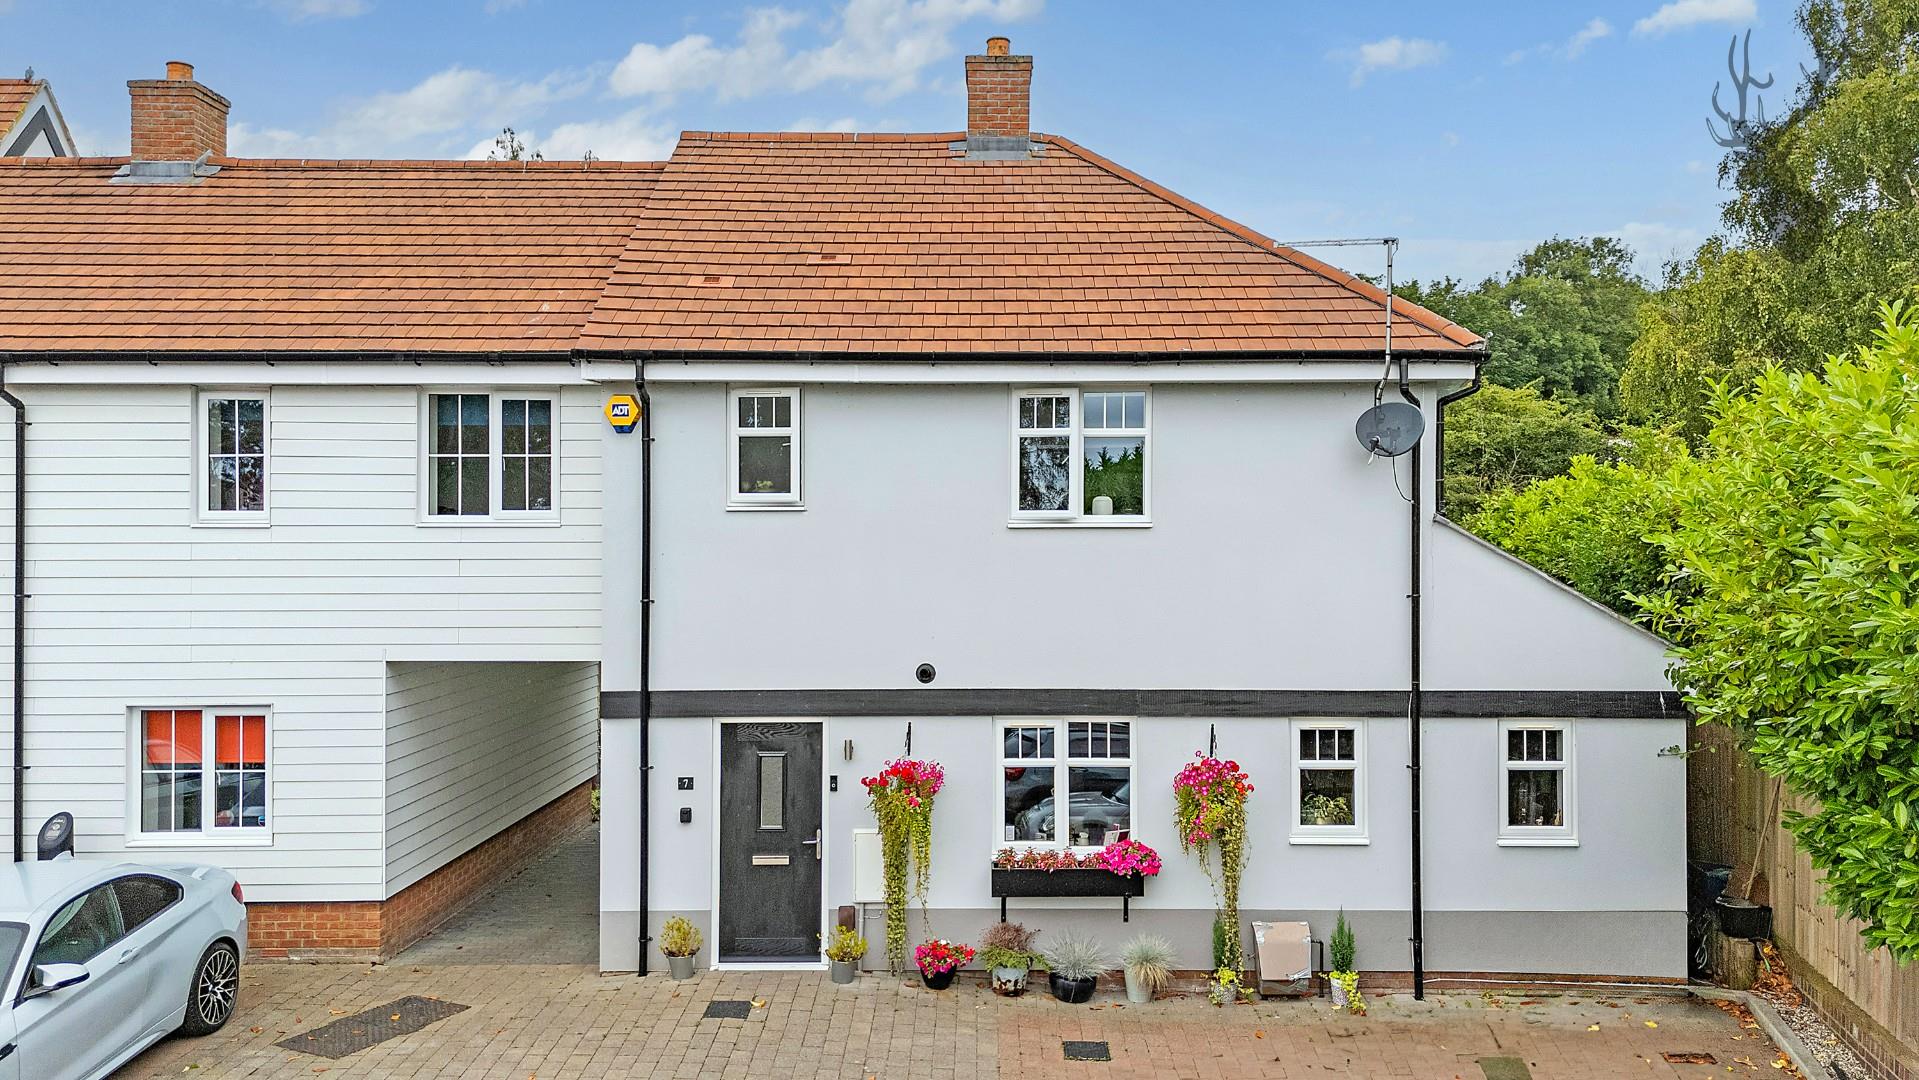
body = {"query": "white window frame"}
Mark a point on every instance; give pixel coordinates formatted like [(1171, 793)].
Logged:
[(751, 500), (1564, 835), (1354, 834), (1061, 763), (496, 458), (1073, 516), (208, 835), (203, 514)]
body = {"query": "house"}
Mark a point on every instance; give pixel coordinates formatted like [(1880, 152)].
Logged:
[(975, 445), (30, 121)]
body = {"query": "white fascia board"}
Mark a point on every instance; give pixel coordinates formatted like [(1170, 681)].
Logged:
[(1070, 372), (298, 373)]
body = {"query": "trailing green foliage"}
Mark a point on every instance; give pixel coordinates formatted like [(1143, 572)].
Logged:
[(1591, 527), (1795, 543)]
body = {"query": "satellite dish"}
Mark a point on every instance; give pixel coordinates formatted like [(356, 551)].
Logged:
[(1390, 429)]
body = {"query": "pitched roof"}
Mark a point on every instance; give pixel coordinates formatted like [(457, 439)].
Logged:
[(15, 96), (310, 255), (825, 243)]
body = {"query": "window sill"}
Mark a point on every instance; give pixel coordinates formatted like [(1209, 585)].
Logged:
[(199, 841), (488, 523), (1539, 841), (1081, 523), (260, 522), (761, 507), (1329, 841)]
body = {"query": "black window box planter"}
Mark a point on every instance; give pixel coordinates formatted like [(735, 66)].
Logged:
[(1068, 883)]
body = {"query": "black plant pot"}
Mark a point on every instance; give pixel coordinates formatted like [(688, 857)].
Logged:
[(1072, 991), (938, 980), (1743, 918)]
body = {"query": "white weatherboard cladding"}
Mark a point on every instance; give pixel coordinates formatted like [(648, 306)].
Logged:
[(474, 747), (132, 604)]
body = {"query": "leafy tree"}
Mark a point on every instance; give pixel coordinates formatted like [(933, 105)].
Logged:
[(1795, 547), (1499, 439), (508, 146), (1591, 528), (1823, 224), (1561, 321)]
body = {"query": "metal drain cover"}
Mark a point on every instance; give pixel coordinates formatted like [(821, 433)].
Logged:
[(1080, 1050), (352, 1034), (1505, 1068), (728, 1010)]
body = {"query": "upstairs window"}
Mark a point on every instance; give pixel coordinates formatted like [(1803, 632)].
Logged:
[(203, 773), (233, 457), (1536, 790), (1080, 457), (491, 456), (763, 449)]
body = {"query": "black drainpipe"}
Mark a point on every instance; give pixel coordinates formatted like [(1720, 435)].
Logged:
[(1439, 436), (19, 617), (1413, 709), (646, 653)]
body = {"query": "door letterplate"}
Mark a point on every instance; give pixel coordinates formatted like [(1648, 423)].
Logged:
[(770, 860)]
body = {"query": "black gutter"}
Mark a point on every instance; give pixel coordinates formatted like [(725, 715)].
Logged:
[(1137, 357), (1439, 437), (1413, 704), (646, 652), (281, 356), (19, 617)]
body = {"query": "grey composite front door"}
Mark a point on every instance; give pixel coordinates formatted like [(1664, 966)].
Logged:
[(770, 857)]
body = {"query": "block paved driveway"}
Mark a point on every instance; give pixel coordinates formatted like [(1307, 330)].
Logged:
[(551, 1021)]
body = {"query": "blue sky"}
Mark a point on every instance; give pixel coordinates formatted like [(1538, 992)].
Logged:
[(1469, 130)]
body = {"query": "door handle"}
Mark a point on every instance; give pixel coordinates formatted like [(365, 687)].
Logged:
[(815, 845), (128, 955)]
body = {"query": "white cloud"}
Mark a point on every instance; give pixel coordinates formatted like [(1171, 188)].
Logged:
[(1570, 49), (631, 136), (301, 10), (419, 119), (1680, 14), (814, 123), (494, 7), (1390, 54), (884, 45)]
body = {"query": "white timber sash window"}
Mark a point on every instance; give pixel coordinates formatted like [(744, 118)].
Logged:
[(1329, 782), (1065, 783), (203, 774), (491, 456), (232, 446), (763, 449), (1080, 457), (1536, 788)]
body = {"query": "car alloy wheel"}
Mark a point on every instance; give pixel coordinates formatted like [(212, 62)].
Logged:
[(215, 987)]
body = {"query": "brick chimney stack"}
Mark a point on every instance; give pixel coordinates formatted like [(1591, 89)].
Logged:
[(998, 97), (176, 118)]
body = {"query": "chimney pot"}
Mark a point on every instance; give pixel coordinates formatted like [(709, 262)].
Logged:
[(995, 46), (179, 70)]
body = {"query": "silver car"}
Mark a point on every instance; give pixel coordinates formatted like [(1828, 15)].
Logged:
[(103, 958)]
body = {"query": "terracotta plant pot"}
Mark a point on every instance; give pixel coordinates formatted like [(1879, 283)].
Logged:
[(937, 980), (1009, 981), (844, 971), (1072, 991), (680, 967)]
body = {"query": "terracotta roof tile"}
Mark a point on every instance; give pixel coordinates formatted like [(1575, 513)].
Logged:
[(1062, 252), (15, 95), (310, 255)]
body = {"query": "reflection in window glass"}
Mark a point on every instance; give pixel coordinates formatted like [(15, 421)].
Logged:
[(240, 771), (81, 930), (458, 458), (766, 464), (526, 454), (1044, 480), (1029, 804), (170, 763), (1327, 796), (1100, 803), (236, 454), (1532, 798), (1091, 757)]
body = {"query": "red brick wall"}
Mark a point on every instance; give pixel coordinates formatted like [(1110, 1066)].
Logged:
[(999, 95), (370, 930), (176, 120)]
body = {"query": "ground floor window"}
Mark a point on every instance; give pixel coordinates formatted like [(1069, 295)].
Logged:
[(202, 772), (1536, 789), (1065, 783), (1329, 781)]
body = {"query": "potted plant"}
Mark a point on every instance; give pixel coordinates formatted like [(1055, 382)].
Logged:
[(1076, 962), (1345, 981), (938, 959), (1006, 951), (1148, 961), (679, 942), (1325, 810), (843, 953)]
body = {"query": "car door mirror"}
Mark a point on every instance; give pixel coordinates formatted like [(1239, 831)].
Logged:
[(50, 977)]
